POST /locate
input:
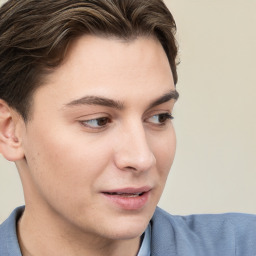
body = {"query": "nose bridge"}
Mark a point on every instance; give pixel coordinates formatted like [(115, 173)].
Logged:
[(134, 151)]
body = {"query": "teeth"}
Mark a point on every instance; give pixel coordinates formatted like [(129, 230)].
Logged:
[(129, 195)]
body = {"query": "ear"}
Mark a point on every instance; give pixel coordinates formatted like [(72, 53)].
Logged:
[(10, 133)]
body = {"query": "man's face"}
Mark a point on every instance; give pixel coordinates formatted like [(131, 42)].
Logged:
[(100, 143)]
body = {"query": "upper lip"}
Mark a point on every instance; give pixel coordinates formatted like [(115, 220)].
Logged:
[(129, 190)]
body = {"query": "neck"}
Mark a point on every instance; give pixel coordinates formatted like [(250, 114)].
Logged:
[(38, 238)]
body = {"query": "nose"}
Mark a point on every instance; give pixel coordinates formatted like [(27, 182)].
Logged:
[(133, 151)]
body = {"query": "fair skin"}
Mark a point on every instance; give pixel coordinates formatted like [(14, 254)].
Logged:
[(100, 126)]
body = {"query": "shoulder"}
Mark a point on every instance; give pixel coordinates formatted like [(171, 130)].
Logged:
[(9, 245), (205, 234), (240, 221)]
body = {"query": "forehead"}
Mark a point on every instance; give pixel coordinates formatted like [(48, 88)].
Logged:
[(106, 54), (111, 68)]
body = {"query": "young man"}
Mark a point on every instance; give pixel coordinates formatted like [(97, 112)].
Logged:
[(87, 90)]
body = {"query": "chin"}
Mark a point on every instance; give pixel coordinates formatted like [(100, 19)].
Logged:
[(126, 234), (129, 228)]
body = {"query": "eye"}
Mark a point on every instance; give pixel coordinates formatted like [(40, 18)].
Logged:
[(160, 119), (96, 123)]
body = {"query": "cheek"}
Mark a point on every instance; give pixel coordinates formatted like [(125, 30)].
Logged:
[(64, 166), (165, 147)]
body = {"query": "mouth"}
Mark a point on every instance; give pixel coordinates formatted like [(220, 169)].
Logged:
[(125, 194), (128, 198)]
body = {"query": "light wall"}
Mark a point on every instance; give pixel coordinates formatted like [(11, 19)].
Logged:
[(215, 166), (215, 117)]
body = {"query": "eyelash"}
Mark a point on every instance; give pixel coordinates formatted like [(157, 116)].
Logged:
[(166, 116), (105, 121), (102, 122)]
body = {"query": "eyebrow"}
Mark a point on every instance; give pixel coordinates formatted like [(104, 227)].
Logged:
[(173, 94), (102, 101), (95, 100)]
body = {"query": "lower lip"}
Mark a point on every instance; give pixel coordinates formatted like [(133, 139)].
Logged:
[(128, 203)]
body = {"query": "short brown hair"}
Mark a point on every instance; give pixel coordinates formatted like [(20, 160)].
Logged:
[(34, 36)]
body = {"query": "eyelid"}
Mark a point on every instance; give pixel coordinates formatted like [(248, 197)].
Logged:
[(92, 116), (85, 119), (165, 114), (158, 112)]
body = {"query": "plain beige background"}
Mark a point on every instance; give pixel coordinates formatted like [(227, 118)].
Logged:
[(215, 117)]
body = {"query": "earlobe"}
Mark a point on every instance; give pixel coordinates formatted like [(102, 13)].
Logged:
[(10, 140)]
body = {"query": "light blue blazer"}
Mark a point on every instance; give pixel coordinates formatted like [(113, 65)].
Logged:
[(230, 234)]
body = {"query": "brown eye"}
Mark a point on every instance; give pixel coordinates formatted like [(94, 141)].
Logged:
[(160, 119), (164, 117), (96, 123), (102, 121)]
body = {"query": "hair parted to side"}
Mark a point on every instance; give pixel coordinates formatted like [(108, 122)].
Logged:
[(34, 36)]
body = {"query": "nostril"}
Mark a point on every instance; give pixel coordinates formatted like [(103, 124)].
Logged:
[(131, 168)]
